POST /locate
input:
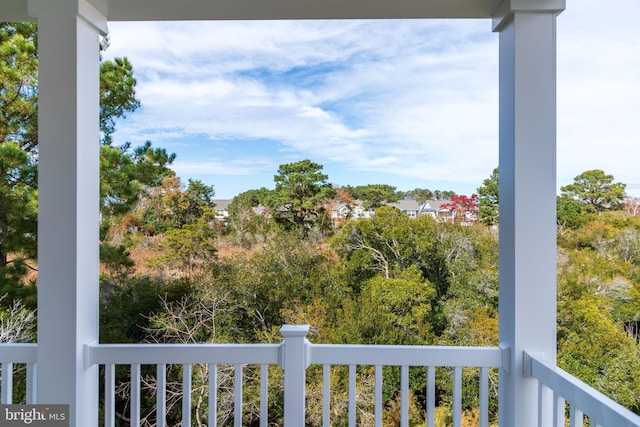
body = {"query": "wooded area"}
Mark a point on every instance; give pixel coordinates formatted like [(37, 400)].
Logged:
[(172, 273)]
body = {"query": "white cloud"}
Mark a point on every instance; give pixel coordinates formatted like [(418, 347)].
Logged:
[(247, 166), (410, 98), (599, 90)]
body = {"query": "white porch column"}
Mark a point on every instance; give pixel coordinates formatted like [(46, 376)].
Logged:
[(68, 49), (527, 196)]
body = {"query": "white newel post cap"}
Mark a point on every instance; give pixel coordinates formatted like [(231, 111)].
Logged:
[(293, 331)]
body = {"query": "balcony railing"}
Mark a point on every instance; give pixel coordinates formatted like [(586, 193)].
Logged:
[(23, 355), (559, 391), (295, 354), (561, 396)]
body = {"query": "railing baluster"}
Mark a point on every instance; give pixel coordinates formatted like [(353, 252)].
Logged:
[(213, 395), (7, 384), (484, 397), (431, 396), (404, 396), (326, 395), (352, 395), (264, 395), (546, 405), (32, 385), (109, 395), (161, 395), (378, 396), (576, 418), (561, 411), (187, 370), (237, 397), (558, 410), (135, 396), (457, 396), (540, 403)]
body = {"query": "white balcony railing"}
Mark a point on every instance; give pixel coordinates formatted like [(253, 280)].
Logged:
[(559, 392), (25, 356), (295, 354)]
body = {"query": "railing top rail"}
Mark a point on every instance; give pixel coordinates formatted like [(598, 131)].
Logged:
[(335, 354), (18, 353), (155, 354), (601, 409), (390, 355)]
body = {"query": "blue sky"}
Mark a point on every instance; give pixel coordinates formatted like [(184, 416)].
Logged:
[(407, 103)]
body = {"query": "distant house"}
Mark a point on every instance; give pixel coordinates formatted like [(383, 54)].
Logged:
[(410, 208), (469, 219), (221, 208), (342, 212), (435, 209)]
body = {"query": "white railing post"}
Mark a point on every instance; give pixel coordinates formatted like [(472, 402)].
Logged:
[(527, 158), (294, 361)]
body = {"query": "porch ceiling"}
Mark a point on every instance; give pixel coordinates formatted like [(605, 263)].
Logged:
[(158, 10)]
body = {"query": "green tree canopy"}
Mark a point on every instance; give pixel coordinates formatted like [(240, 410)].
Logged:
[(247, 224), (443, 195), (388, 244), (374, 196), (124, 172), (117, 94), (596, 190), (247, 200), (192, 246), (569, 213), (172, 206), (19, 85), (300, 194), (404, 303), (18, 214), (488, 199), (420, 195)]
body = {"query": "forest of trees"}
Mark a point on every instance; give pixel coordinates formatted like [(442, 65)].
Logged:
[(172, 273)]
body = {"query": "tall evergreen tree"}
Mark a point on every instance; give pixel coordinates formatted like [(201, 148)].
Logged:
[(124, 172), (300, 194), (488, 198), (596, 190)]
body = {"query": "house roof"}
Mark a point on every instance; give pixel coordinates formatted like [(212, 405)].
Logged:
[(222, 204), (435, 205), (403, 205), (406, 205)]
